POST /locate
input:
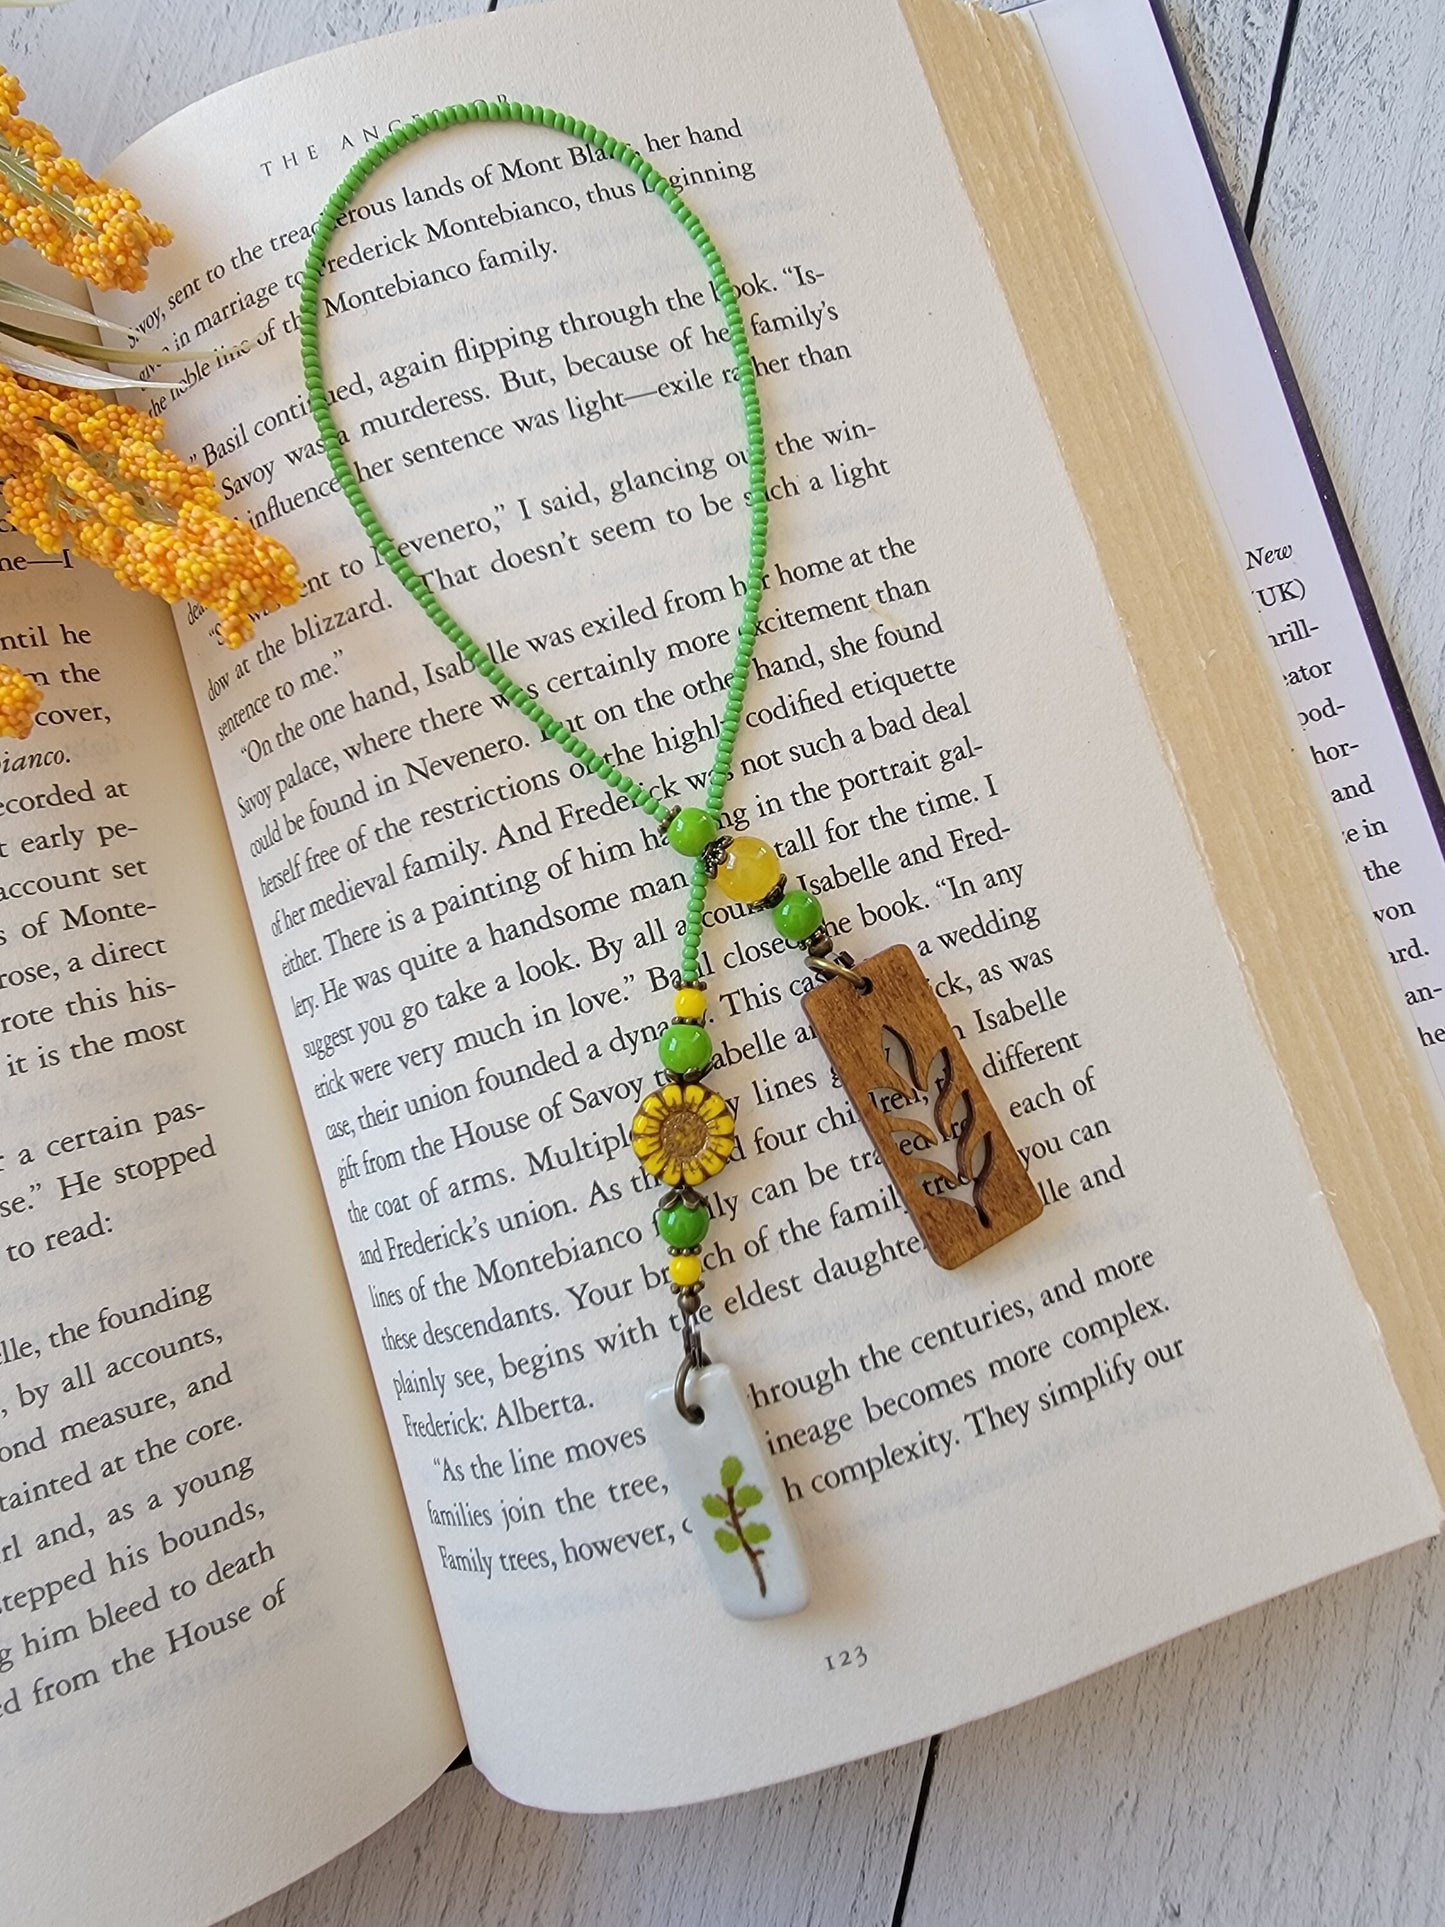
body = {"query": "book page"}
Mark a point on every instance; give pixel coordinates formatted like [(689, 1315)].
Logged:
[(218, 1666), (1163, 1401), (1316, 625)]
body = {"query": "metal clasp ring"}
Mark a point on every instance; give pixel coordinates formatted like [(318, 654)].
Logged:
[(693, 1360), (694, 1414), (842, 967)]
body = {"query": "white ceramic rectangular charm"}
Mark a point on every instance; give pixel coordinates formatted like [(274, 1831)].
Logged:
[(736, 1514)]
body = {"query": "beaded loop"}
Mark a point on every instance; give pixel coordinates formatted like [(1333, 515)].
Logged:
[(684, 1132), (472, 652)]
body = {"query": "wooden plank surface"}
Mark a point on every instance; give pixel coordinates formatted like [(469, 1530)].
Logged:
[(1230, 49), (1283, 1769), (107, 70), (1350, 243), (820, 1852), (1290, 1765), (113, 70)]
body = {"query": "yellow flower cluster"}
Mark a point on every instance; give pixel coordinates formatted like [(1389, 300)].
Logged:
[(96, 475), (19, 700), (89, 227)]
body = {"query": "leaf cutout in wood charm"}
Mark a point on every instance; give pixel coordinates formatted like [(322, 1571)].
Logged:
[(898, 1105), (953, 1113), (924, 1106), (946, 1100), (891, 1047), (980, 1166)]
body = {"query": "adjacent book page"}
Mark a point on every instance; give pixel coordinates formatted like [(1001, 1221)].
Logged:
[(218, 1665), (1165, 1400), (1353, 728)]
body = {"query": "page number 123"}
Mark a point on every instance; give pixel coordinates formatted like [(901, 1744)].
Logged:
[(848, 1656)]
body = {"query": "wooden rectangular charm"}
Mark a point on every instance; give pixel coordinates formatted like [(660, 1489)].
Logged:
[(924, 1106)]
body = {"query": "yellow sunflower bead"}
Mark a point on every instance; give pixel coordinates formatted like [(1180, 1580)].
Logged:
[(684, 1270), (749, 869), (690, 1004), (683, 1134)]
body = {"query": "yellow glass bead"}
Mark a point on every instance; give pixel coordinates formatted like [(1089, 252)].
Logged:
[(749, 869), (684, 1270), (690, 1004)]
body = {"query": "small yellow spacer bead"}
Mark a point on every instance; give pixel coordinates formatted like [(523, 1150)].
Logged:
[(749, 869), (690, 1004), (684, 1270)]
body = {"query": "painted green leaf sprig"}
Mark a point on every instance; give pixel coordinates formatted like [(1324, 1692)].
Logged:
[(738, 1535)]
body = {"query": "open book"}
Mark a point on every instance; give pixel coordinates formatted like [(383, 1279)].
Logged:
[(327, 992)]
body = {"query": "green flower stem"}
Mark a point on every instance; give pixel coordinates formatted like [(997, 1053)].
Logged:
[(754, 1556), (19, 170)]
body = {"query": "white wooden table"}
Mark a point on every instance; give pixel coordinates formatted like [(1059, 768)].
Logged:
[(1288, 1766)]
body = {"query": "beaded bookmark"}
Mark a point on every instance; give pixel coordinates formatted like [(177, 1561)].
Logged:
[(878, 1019)]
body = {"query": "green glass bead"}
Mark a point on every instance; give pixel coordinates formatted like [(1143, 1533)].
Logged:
[(685, 1048), (683, 1225), (690, 832), (797, 916)]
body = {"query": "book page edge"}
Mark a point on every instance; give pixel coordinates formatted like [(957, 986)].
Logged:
[(1348, 1075)]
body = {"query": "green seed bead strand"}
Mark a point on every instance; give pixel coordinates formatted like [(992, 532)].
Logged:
[(552, 729)]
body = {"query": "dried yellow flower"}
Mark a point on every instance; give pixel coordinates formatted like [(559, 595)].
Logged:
[(96, 475), (19, 700), (87, 226)]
